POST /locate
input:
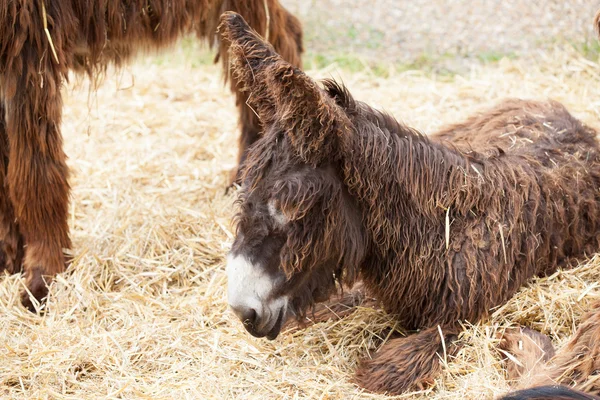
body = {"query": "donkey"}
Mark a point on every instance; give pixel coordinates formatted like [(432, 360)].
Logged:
[(40, 42), (439, 228)]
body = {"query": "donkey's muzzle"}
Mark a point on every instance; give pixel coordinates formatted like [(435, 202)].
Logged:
[(260, 326), (249, 293)]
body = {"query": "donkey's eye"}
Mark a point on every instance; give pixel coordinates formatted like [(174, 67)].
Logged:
[(248, 206)]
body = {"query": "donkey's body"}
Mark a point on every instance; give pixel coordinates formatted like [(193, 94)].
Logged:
[(441, 229), (40, 42), (458, 221)]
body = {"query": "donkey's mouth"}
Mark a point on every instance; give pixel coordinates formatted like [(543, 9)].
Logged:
[(274, 332)]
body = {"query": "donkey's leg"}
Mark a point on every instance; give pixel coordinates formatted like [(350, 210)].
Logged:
[(527, 352), (336, 308), (11, 243), (577, 363), (408, 363), (249, 133), (37, 171)]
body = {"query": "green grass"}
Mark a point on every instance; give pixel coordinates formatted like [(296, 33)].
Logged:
[(348, 62), (490, 57), (590, 49), (351, 62)]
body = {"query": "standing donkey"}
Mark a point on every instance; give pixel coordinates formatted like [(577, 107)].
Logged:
[(40, 42), (440, 228)]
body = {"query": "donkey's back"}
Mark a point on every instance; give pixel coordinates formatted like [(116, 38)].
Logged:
[(535, 129)]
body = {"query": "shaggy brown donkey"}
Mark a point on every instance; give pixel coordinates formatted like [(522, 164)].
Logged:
[(439, 228), (34, 64)]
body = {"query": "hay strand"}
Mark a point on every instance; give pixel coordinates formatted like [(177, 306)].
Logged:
[(45, 22), (268, 19), (503, 244), (447, 228)]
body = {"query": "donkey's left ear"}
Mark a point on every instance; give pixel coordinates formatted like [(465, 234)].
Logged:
[(282, 95)]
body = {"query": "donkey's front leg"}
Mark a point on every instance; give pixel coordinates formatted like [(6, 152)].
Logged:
[(11, 242), (527, 354), (408, 363), (336, 308), (37, 173)]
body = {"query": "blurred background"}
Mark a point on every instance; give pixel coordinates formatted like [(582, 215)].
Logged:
[(443, 36)]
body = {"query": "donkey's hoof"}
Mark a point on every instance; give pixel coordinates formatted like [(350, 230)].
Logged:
[(234, 181), (36, 292)]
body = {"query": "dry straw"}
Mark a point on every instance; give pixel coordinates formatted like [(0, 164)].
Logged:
[(142, 313), (47, 32)]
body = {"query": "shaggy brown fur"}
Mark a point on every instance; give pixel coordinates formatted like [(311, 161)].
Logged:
[(576, 364), (86, 36), (440, 228), (531, 350)]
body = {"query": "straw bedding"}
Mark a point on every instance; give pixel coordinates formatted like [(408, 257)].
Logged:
[(142, 311)]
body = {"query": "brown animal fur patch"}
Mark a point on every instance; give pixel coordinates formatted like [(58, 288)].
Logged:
[(577, 363), (549, 393), (526, 352)]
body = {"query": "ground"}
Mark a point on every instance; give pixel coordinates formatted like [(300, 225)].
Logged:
[(142, 312)]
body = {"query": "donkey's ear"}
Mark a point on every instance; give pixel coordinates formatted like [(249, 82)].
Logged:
[(281, 94), (597, 23), (249, 57)]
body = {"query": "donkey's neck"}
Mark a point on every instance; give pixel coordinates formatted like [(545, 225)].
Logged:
[(390, 166), (405, 185)]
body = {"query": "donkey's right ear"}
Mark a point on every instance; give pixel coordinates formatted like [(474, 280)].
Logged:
[(251, 59), (282, 94)]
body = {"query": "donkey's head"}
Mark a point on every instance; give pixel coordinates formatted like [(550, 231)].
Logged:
[(298, 230)]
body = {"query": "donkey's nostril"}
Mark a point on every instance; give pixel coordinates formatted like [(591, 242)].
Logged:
[(247, 315)]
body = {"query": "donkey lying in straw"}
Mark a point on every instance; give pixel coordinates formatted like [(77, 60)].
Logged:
[(86, 36), (440, 229)]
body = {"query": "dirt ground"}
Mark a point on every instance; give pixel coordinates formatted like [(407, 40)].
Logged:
[(142, 311)]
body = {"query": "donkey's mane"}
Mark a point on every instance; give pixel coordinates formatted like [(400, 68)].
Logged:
[(344, 99)]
